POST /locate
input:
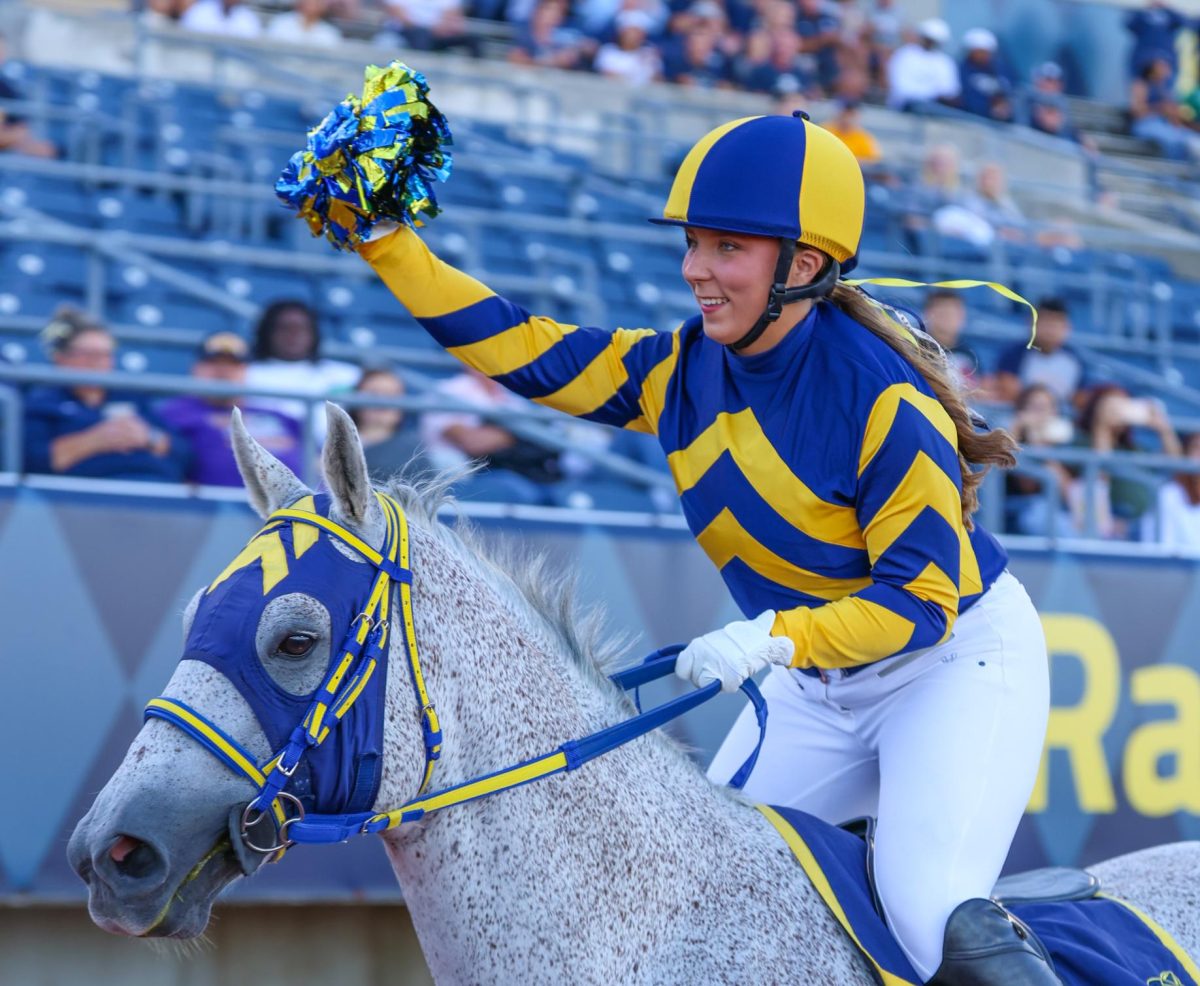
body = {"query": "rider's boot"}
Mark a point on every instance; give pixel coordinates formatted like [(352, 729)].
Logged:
[(985, 945)]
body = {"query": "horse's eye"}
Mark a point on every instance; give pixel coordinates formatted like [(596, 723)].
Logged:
[(296, 644)]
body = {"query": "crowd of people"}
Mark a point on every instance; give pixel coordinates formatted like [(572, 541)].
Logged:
[(98, 432), (1046, 396), (1049, 400), (849, 49)]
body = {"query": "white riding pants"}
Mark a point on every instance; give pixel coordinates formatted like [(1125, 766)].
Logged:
[(941, 745)]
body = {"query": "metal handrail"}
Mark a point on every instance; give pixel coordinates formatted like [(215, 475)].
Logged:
[(527, 423)]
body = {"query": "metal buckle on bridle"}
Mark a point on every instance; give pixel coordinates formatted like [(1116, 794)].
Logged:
[(283, 842)]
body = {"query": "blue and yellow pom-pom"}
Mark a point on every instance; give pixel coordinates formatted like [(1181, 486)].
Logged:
[(371, 159)]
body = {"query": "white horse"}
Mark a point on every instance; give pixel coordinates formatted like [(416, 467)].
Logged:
[(632, 869)]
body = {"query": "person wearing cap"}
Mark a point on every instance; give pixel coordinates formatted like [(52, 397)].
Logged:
[(205, 420), (827, 465), (921, 73), (89, 430), (630, 58), (984, 82)]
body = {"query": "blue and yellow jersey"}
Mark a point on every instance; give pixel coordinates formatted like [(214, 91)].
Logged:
[(821, 477)]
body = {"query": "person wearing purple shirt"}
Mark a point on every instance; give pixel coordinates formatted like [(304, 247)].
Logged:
[(205, 421)]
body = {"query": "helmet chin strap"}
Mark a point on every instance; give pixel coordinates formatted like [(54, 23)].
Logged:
[(782, 295)]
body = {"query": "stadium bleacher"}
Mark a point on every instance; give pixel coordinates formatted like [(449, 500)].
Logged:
[(160, 218)]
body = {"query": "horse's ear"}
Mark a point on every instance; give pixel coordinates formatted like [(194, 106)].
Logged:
[(269, 482), (345, 467)]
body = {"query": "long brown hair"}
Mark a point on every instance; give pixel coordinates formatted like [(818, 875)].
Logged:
[(975, 448)]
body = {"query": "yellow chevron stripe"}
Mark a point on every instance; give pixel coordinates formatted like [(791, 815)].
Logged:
[(425, 285), (267, 548), (936, 586), (513, 348), (883, 413), (741, 435), (924, 485), (725, 539), (304, 536), (600, 379), (847, 632), (654, 391), (970, 579), (357, 544), (820, 882)]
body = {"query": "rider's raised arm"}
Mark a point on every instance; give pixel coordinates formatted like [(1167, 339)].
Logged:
[(909, 508), (617, 378)]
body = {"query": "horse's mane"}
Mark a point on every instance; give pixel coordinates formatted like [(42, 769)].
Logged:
[(551, 596)]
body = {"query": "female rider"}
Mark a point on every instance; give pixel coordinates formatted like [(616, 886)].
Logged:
[(824, 460)]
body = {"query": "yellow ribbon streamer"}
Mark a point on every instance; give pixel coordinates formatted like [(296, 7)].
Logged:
[(1000, 289)]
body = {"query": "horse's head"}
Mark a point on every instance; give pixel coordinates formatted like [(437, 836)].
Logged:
[(262, 642)]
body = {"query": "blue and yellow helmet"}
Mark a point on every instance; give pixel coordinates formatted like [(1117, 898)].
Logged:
[(779, 176)]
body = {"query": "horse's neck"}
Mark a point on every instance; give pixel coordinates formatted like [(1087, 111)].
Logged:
[(555, 876)]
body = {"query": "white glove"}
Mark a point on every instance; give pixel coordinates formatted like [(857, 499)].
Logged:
[(733, 653)]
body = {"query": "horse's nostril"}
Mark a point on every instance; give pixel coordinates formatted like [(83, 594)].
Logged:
[(134, 858)]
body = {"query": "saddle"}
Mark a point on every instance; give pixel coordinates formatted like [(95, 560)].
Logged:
[(1047, 885), (1063, 930)]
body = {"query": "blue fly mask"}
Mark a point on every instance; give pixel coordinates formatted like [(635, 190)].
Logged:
[(289, 555), (332, 798)]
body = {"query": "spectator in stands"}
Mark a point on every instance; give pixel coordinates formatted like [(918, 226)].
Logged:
[(991, 202), (88, 430), (15, 135), (452, 438), (986, 86), (696, 59), (921, 73), (820, 32), (773, 61), (847, 126), (390, 439), (1179, 504), (305, 24), (884, 34), (1054, 362), (428, 25), (230, 18), (944, 317), (548, 39), (1156, 114), (631, 58), (287, 358), (205, 421), (1154, 29), (1048, 111), (938, 188), (1112, 421), (1040, 423)]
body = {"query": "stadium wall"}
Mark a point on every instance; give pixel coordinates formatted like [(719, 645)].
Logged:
[(92, 585)]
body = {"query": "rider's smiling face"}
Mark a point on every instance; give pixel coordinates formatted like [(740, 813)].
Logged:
[(730, 275)]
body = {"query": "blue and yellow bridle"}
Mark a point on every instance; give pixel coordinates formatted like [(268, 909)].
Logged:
[(362, 663)]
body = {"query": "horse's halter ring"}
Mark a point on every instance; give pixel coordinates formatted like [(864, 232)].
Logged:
[(363, 649)]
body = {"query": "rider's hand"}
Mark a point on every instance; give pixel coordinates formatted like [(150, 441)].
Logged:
[(733, 653)]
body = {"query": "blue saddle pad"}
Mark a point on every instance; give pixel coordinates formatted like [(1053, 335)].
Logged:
[(1100, 940)]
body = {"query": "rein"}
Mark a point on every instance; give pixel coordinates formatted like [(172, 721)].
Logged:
[(362, 651)]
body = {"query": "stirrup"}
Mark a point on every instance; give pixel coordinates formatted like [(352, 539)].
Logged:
[(985, 945)]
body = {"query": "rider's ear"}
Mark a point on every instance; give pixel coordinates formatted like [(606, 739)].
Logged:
[(345, 468), (269, 482)]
